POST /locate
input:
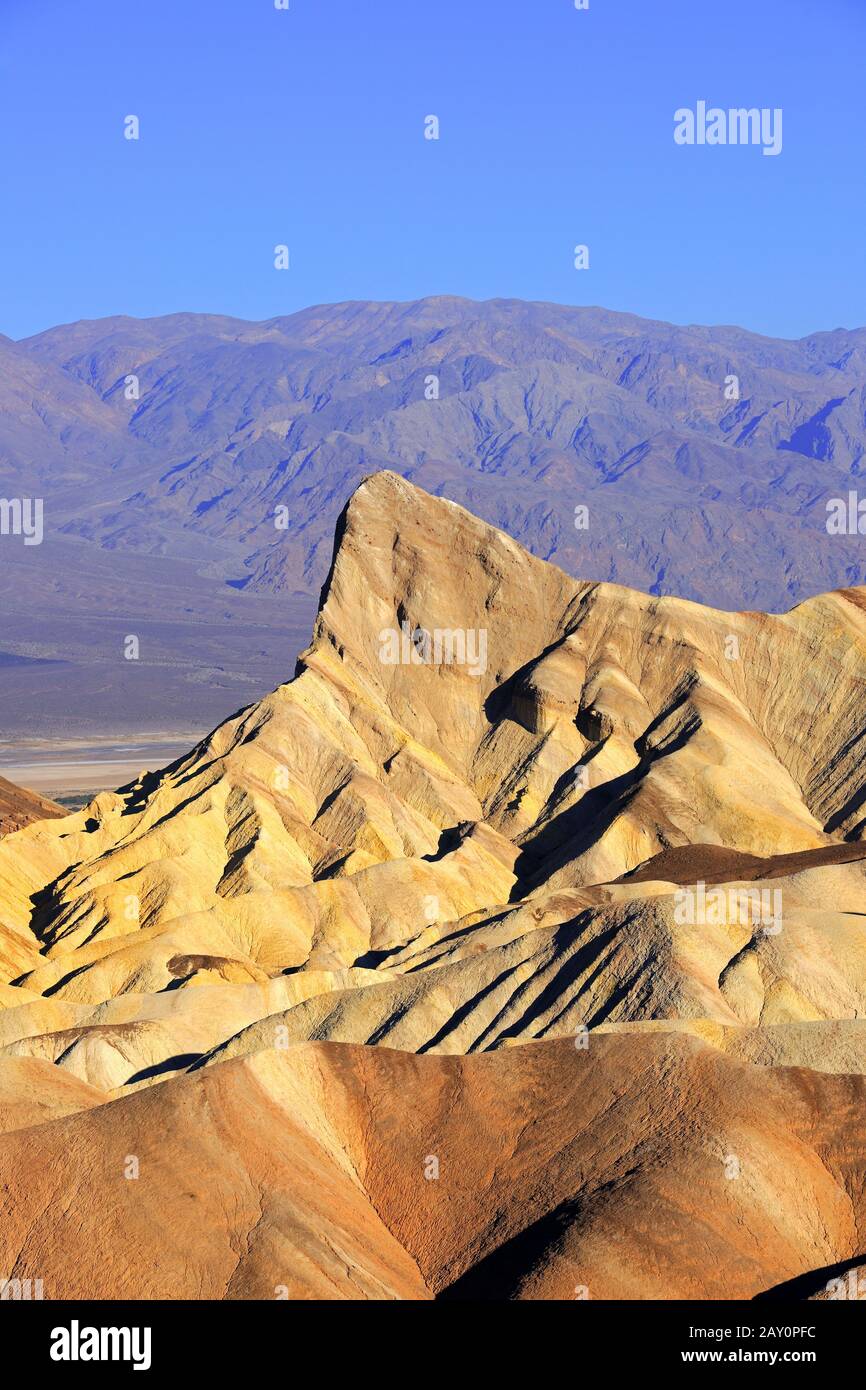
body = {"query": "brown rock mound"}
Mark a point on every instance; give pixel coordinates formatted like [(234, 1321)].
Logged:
[(20, 807)]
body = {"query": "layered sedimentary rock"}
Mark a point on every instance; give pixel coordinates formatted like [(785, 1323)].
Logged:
[(457, 966), (542, 1171), (20, 807)]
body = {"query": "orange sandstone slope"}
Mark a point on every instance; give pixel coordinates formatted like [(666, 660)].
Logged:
[(20, 807), (545, 1171), (393, 981)]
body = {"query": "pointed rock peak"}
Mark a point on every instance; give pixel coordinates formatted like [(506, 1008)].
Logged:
[(419, 582)]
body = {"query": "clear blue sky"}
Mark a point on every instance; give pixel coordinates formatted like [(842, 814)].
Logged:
[(305, 127)]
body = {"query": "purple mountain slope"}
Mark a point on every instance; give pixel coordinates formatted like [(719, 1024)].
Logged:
[(229, 458)]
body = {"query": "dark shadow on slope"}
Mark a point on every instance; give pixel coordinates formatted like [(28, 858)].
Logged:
[(370, 960), (235, 860), (432, 953), (812, 1282), (45, 905), (465, 1009), (576, 829), (499, 1275), (853, 804), (593, 953), (58, 985), (178, 1063), (450, 840), (498, 704), (137, 794), (563, 977), (329, 800)]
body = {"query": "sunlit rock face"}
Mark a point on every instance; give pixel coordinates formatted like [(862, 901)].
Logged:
[(530, 908)]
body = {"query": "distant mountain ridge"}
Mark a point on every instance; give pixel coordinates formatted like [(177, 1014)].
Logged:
[(541, 409), (575, 406)]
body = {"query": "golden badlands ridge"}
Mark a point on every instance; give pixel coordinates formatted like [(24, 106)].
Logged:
[(386, 990)]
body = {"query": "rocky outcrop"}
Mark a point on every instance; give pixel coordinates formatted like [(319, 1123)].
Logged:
[(555, 883)]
